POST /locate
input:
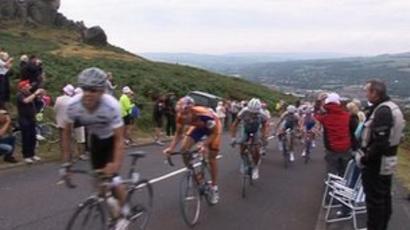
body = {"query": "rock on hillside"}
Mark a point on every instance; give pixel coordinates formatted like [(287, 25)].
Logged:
[(45, 12)]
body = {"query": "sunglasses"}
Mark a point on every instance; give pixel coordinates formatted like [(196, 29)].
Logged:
[(91, 89)]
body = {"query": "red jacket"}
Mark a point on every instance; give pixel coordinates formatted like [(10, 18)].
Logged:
[(336, 125)]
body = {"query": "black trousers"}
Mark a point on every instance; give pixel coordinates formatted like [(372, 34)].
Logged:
[(170, 127), (28, 136), (378, 199)]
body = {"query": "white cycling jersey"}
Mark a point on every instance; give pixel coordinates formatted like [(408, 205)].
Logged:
[(100, 122)]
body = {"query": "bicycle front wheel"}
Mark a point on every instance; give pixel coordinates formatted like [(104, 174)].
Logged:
[(88, 215), (50, 132), (190, 199), (140, 199)]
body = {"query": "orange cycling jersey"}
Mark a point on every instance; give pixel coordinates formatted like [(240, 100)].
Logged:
[(203, 122)]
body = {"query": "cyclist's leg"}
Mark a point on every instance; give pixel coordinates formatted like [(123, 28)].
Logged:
[(102, 153), (255, 150), (213, 153)]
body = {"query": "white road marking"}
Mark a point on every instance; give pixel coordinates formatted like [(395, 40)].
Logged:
[(174, 173)]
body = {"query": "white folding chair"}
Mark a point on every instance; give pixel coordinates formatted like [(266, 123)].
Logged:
[(352, 198), (332, 180)]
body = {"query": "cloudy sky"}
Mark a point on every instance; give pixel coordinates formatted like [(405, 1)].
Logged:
[(223, 26)]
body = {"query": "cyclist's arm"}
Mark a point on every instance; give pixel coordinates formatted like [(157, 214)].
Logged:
[(118, 147), (179, 132), (281, 119), (265, 129), (234, 127)]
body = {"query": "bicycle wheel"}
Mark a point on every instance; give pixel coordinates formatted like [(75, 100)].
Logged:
[(247, 175), (140, 199), (88, 215), (50, 132), (285, 153), (190, 199), (308, 145), (206, 183)]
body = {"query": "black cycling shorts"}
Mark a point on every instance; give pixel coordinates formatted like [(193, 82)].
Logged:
[(102, 151)]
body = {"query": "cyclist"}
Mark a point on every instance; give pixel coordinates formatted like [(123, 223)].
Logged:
[(201, 122), (289, 120), (308, 125), (254, 120), (268, 128), (100, 113)]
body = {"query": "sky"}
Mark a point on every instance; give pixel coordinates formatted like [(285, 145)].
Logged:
[(362, 27)]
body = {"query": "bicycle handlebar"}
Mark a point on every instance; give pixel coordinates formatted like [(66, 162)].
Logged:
[(169, 155)]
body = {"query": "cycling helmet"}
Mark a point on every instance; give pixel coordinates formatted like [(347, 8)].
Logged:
[(291, 109), (184, 104), (92, 77), (254, 105)]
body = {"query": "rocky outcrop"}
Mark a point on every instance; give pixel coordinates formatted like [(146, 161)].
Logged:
[(94, 36), (45, 12)]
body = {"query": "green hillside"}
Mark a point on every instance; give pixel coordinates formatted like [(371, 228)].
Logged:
[(64, 56)]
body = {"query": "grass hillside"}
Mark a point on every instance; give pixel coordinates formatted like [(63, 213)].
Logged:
[(64, 56)]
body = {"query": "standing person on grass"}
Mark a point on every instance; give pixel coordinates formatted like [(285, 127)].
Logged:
[(61, 105), (170, 114), (26, 119), (158, 117), (126, 106)]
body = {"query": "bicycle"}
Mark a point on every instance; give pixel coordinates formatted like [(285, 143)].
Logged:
[(287, 140), (249, 147), (103, 202), (194, 185), (309, 136), (46, 131)]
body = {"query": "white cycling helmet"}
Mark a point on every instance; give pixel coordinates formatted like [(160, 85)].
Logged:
[(92, 77), (254, 105), (291, 109), (184, 104)]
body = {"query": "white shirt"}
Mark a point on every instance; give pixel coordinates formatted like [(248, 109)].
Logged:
[(220, 112), (100, 122), (60, 108), (3, 69)]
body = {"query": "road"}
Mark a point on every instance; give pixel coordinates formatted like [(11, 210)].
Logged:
[(281, 198)]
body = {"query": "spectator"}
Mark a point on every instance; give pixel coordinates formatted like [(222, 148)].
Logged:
[(7, 142), (234, 110), (382, 134), (5, 72), (60, 106), (355, 124), (170, 114), (227, 107), (32, 72), (127, 106), (221, 113), (110, 84), (337, 139), (23, 61), (80, 135), (158, 117), (26, 118)]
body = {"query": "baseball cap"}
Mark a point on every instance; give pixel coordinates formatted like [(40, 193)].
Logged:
[(127, 89), (332, 98)]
